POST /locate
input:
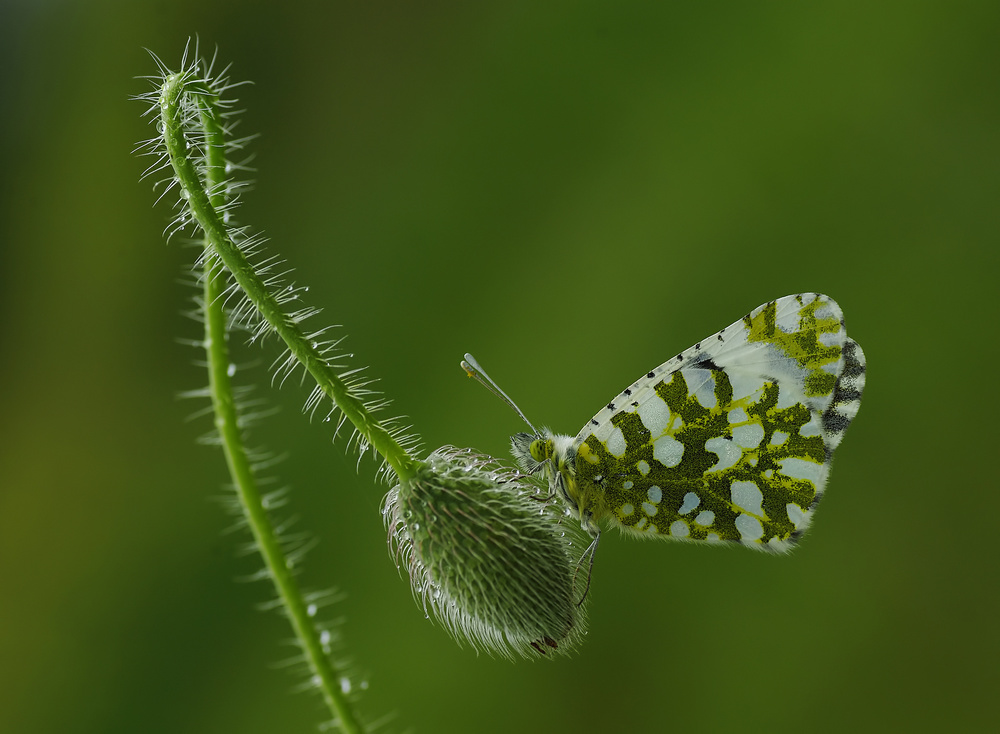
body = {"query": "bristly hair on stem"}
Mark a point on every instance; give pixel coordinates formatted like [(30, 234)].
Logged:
[(195, 145), (195, 128)]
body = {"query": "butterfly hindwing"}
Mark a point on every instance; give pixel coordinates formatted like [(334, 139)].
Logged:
[(730, 440)]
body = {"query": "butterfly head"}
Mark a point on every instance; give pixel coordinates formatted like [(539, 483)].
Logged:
[(555, 455)]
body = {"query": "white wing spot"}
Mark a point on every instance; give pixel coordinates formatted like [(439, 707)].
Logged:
[(778, 438), (812, 428), (690, 504), (728, 452), (616, 443), (749, 527), (830, 339), (702, 386), (643, 467), (745, 384), (787, 320), (748, 436), (800, 469), (668, 451), (705, 518), (627, 484), (738, 415), (789, 394), (626, 510), (649, 509), (747, 497), (655, 415), (679, 529), (655, 494), (796, 515), (641, 525)]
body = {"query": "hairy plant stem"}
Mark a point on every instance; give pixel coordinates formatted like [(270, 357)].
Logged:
[(218, 237), (326, 678)]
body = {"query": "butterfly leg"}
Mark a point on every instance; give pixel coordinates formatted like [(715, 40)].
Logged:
[(591, 551)]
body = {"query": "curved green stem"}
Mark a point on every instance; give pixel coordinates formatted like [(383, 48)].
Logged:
[(226, 421), (218, 237), (250, 498)]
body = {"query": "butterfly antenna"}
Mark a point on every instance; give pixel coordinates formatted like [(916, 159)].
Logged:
[(472, 369)]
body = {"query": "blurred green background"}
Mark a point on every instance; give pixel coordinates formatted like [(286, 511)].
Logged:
[(523, 181)]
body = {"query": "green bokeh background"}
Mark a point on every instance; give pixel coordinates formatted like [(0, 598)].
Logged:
[(573, 192)]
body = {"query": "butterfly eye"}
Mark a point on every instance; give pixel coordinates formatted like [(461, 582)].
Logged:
[(540, 449)]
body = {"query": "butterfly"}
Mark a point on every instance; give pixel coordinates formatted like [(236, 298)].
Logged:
[(730, 441)]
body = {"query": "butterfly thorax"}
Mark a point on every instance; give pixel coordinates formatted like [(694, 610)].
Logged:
[(555, 455)]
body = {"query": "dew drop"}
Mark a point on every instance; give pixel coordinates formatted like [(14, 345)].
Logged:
[(311, 610), (345, 685), (231, 369)]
